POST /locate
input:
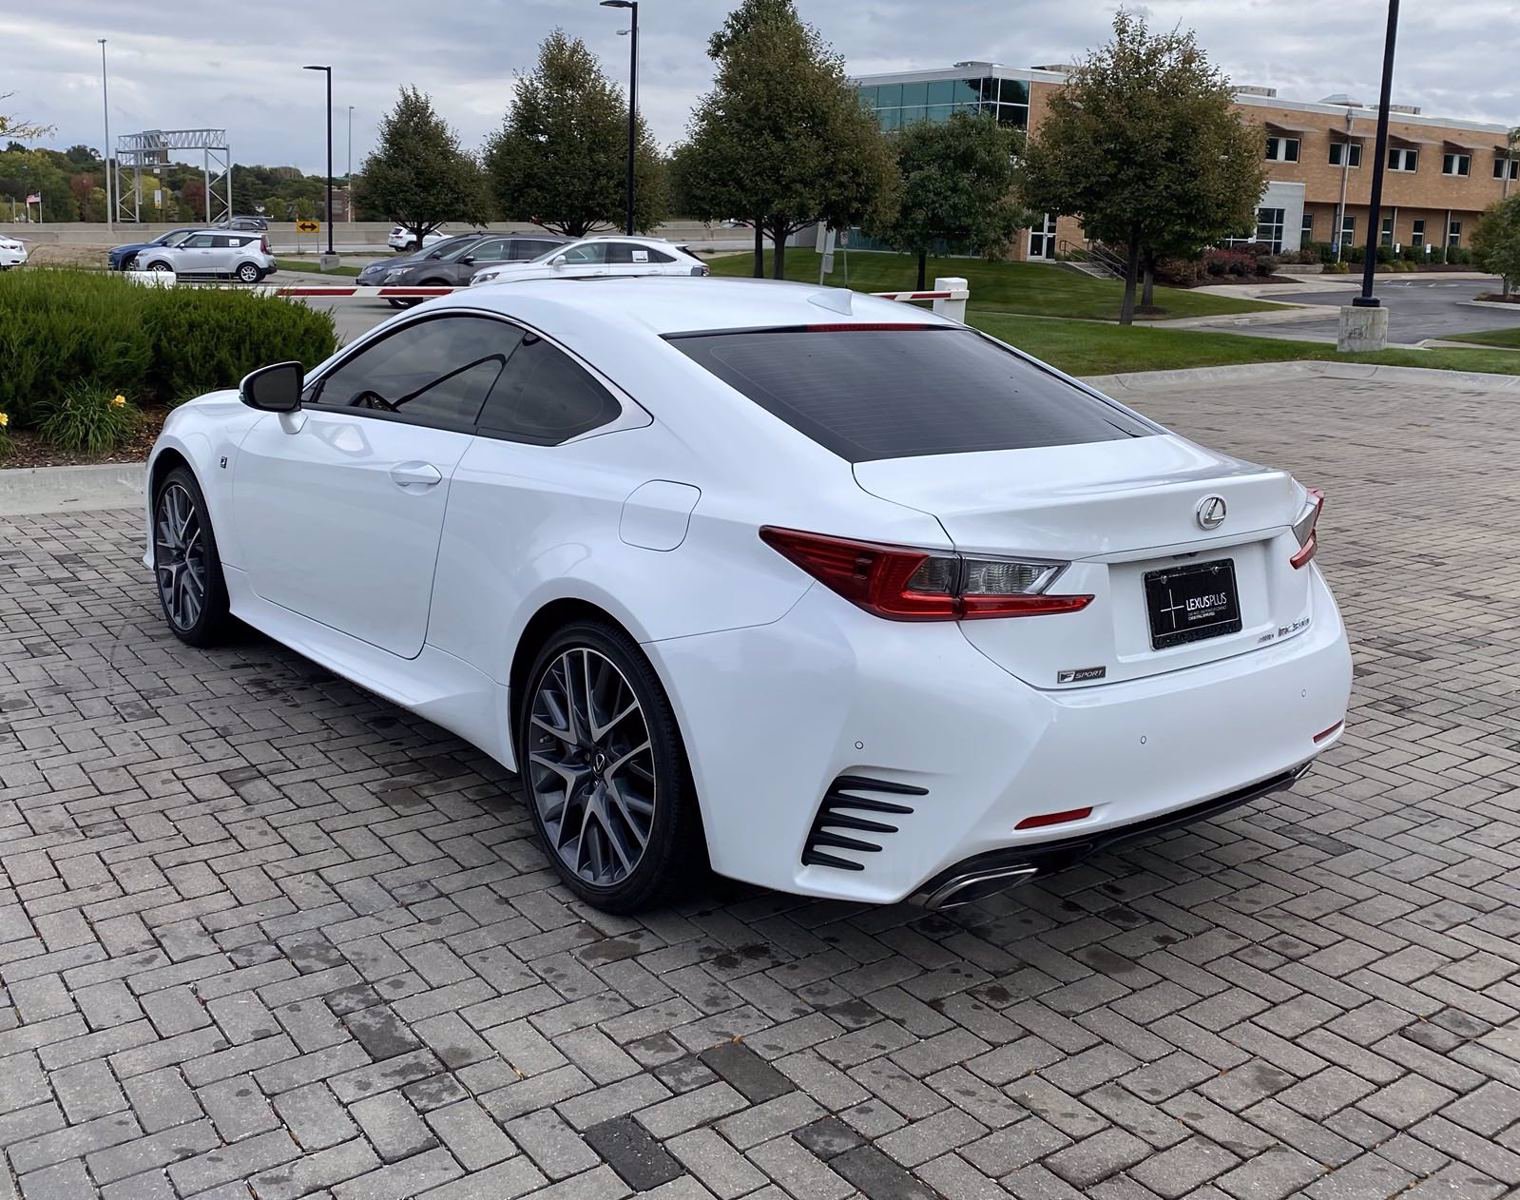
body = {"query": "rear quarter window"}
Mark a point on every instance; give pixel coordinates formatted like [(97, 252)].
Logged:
[(898, 393)]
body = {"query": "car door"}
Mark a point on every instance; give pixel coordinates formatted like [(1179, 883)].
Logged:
[(196, 255), (339, 506), (482, 254)]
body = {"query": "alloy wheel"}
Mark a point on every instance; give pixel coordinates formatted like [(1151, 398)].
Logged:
[(590, 766), (179, 556)]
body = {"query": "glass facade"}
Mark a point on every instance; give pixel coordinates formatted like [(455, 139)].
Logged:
[(900, 104)]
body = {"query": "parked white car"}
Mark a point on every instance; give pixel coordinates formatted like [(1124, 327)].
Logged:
[(838, 596), (12, 253), (402, 238), (239, 255), (604, 254)]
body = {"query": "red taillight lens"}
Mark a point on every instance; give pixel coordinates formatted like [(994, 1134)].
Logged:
[(264, 244), (1304, 529), (1055, 818), (902, 583)]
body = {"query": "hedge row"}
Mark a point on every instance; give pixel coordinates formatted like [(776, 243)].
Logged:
[(62, 329)]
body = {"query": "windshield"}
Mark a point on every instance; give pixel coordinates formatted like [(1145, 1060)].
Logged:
[(172, 238), (548, 254)]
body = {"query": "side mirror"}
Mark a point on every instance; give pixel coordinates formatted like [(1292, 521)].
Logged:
[(275, 388), (468, 258), (558, 260)]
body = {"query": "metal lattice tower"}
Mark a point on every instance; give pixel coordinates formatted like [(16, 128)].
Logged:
[(158, 147)]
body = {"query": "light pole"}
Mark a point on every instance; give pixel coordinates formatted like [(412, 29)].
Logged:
[(328, 71), (1338, 234), (633, 94), (348, 173), (1379, 162), (105, 106)]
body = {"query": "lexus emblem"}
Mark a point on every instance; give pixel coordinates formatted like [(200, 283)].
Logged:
[(1211, 511)]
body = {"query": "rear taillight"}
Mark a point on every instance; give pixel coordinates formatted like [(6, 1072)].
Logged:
[(264, 244), (901, 583), (1304, 529)]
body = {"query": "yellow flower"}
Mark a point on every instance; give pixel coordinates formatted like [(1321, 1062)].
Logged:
[(118, 401), (5, 419)]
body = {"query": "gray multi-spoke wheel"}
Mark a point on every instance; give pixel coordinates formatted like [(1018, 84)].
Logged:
[(248, 273), (185, 562), (605, 773)]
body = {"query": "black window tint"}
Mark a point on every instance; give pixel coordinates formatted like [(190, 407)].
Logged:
[(435, 371), (868, 394), (522, 251), (545, 398), (660, 256), (493, 250)]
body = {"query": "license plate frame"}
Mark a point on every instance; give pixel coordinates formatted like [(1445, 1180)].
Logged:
[(1192, 602)]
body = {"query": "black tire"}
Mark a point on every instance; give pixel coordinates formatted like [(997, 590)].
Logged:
[(160, 266), (185, 561), (673, 855), (249, 272)]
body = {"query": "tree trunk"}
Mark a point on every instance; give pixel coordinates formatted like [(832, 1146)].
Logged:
[(759, 249), (1148, 290), (923, 269), (778, 266), (1131, 274)]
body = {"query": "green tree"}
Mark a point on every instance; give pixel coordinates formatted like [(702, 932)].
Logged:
[(560, 158), (958, 182), (417, 175), (1145, 145), (782, 140), (1496, 241)]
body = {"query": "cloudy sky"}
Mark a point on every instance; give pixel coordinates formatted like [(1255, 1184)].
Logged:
[(182, 64)]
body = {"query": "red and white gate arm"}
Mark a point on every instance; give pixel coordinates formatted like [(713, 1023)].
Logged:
[(949, 295)]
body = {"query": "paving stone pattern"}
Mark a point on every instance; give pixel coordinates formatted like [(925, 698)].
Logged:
[(263, 935)]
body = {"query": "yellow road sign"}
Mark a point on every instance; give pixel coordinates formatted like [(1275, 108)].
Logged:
[(308, 226)]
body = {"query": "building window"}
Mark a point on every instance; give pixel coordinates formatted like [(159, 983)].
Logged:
[(1499, 164), (1386, 237), (1348, 230), (1417, 233), (1269, 228), (1340, 150), (1403, 160), (1454, 234), (1282, 149), (1456, 164), (1306, 230)]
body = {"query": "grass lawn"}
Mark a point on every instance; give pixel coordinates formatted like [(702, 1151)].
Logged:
[(1490, 337), (1093, 348), (1036, 288), (303, 264)]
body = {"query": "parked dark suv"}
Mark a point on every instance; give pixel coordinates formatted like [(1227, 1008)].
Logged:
[(451, 263)]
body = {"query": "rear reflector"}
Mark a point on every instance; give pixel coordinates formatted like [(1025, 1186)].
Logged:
[(1055, 818), (902, 583), (1331, 732)]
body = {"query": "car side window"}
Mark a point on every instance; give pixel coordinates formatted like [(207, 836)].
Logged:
[(201, 241), (222, 242), (591, 252), (493, 251), (436, 372), (523, 251), (545, 398)]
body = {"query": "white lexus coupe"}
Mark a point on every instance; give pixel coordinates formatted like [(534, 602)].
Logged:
[(823, 591)]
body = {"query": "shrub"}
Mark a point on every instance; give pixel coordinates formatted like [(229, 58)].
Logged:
[(61, 330), (88, 420), (6, 445), (1181, 272)]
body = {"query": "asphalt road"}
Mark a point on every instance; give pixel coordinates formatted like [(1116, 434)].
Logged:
[(1417, 309)]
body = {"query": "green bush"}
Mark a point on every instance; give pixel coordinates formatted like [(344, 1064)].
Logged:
[(61, 330), (88, 419), (6, 445)]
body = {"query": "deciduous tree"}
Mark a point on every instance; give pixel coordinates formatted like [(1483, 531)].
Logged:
[(782, 140), (417, 175), (957, 188), (1496, 241), (560, 158), (1145, 145)]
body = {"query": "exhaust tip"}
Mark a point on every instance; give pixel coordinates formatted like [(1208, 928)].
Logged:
[(978, 885)]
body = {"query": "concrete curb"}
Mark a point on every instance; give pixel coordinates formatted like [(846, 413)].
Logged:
[(1151, 381), (1504, 305), (30, 490)]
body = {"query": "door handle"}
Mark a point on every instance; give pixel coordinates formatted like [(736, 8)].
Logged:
[(417, 475)]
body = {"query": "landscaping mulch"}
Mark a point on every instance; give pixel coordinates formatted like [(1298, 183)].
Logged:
[(32, 451)]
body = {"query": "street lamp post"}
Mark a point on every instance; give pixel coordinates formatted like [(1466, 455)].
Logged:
[(633, 95), (105, 106), (328, 71), (348, 173), (1364, 322), (1338, 234)]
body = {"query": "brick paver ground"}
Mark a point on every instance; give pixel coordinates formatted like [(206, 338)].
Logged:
[(262, 933)]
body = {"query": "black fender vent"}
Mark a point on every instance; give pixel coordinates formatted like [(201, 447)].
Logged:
[(841, 810)]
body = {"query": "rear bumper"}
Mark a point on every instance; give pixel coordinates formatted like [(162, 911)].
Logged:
[(773, 715)]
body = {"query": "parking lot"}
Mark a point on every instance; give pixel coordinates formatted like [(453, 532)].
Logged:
[(261, 933)]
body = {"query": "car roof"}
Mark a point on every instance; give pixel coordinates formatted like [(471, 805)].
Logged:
[(666, 304)]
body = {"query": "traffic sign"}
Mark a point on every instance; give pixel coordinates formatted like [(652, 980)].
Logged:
[(306, 226)]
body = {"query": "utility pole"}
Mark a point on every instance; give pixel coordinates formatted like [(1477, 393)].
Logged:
[(1339, 234), (105, 104), (331, 259), (633, 95)]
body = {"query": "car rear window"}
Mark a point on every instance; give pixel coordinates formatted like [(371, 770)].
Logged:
[(867, 393)]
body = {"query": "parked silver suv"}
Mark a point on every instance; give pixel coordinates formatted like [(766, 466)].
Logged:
[(242, 256)]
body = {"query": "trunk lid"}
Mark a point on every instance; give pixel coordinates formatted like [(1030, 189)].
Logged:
[(1117, 511)]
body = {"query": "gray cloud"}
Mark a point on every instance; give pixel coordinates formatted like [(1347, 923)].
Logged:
[(176, 63)]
